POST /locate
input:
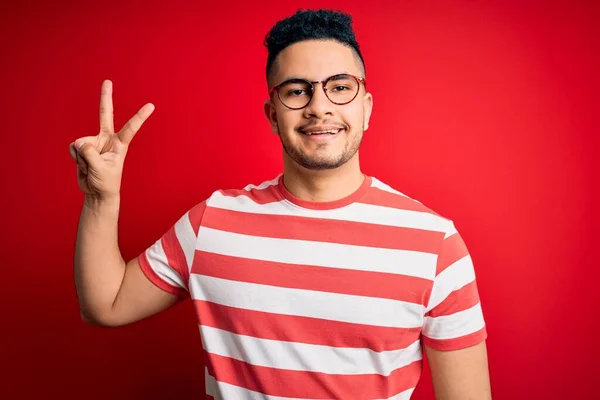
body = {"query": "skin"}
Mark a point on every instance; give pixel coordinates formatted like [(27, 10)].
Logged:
[(313, 170), (113, 292), (460, 374)]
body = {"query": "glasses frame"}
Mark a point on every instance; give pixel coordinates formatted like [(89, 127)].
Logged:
[(312, 84)]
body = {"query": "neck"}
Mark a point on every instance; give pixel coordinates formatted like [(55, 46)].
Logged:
[(323, 185)]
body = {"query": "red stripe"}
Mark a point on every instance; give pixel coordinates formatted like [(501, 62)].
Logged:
[(380, 197), (334, 280), (374, 196), (456, 343), (314, 385), (175, 255), (326, 205), (195, 215), (309, 330), (453, 249), (323, 230), (153, 276), (459, 300)]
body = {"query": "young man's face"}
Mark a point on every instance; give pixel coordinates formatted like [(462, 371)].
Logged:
[(315, 61)]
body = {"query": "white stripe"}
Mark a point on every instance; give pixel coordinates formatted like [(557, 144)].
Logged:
[(307, 357), (451, 230), (322, 254), (159, 263), (376, 183), (455, 325), (402, 396), (263, 185), (227, 391), (186, 237), (307, 303), (454, 277), (355, 212)]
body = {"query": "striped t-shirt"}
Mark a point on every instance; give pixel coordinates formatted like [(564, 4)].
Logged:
[(305, 300)]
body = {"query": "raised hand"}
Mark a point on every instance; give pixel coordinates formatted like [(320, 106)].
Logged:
[(100, 158)]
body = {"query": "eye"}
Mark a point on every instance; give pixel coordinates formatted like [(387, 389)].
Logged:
[(340, 88), (296, 92)]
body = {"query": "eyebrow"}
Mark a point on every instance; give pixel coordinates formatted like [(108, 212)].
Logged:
[(293, 78), (337, 77)]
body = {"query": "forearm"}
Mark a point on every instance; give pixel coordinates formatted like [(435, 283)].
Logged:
[(99, 266)]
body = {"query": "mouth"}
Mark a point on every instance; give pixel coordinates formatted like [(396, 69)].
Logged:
[(323, 133)]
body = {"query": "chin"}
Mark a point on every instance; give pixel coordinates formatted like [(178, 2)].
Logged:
[(321, 163)]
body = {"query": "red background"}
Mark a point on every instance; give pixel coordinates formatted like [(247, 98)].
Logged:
[(487, 113)]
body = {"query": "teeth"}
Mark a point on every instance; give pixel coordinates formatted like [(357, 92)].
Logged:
[(331, 131)]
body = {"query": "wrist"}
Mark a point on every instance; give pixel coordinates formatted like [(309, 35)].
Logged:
[(101, 203)]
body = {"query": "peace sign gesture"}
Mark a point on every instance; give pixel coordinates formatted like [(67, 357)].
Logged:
[(100, 158)]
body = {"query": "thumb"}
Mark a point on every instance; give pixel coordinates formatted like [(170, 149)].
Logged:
[(89, 153)]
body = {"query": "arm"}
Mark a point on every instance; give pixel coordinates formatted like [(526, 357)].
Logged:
[(110, 291), (460, 374), (454, 329)]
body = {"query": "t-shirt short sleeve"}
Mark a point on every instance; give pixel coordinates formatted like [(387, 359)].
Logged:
[(167, 263), (454, 317)]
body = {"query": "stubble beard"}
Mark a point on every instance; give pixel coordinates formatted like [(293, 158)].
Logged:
[(318, 163)]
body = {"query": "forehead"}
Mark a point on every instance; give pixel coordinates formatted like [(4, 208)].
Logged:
[(315, 60)]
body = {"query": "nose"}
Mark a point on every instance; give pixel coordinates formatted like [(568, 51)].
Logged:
[(319, 105)]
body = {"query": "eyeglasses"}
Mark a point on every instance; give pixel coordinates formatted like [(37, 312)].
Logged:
[(297, 93)]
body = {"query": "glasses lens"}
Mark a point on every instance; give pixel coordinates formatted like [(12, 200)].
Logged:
[(295, 93), (341, 89)]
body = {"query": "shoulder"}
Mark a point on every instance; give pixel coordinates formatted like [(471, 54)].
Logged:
[(248, 189), (253, 193), (401, 205)]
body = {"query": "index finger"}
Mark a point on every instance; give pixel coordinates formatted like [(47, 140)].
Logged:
[(106, 108)]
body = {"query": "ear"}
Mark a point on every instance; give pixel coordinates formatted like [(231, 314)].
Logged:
[(367, 109), (271, 114)]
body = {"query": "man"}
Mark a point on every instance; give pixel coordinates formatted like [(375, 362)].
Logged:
[(323, 282)]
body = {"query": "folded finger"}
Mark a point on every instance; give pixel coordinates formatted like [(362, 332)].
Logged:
[(88, 152)]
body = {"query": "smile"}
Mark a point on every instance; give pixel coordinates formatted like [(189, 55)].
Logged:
[(325, 132)]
